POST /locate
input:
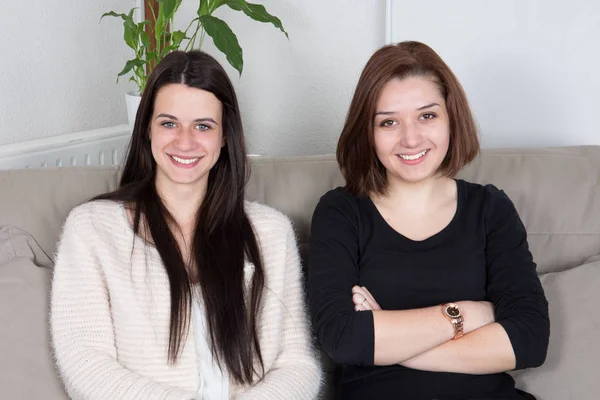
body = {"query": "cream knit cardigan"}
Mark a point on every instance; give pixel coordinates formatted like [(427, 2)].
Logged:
[(110, 310)]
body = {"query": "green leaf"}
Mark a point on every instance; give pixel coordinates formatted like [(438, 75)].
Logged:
[(145, 39), (177, 37), (168, 49), (168, 7), (215, 4), (257, 12), (225, 40), (203, 8), (143, 23), (159, 26), (130, 34), (114, 14), (151, 55), (129, 65)]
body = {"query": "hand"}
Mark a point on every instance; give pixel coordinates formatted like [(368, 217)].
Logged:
[(363, 299), (476, 314)]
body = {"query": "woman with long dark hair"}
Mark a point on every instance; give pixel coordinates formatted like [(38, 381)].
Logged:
[(173, 286)]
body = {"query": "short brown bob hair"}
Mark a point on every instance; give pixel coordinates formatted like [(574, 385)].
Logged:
[(356, 155)]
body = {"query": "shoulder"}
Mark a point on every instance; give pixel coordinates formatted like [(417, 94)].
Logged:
[(95, 226), (338, 197), (96, 210), (488, 195), (338, 201), (495, 206), (96, 215), (267, 220)]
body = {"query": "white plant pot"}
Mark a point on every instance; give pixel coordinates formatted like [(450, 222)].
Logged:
[(132, 99)]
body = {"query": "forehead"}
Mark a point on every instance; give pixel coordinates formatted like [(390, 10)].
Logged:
[(410, 91), (182, 99)]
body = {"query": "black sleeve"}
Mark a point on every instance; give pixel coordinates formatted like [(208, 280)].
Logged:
[(512, 282), (346, 335)]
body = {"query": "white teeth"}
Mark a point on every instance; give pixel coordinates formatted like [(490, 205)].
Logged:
[(413, 157), (183, 161)]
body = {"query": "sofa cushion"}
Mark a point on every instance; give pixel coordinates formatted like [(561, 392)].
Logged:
[(571, 368), (15, 242), (38, 200), (28, 369), (557, 194)]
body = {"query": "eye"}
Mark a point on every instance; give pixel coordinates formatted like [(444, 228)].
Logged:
[(202, 127), (428, 116), (168, 124), (387, 123)]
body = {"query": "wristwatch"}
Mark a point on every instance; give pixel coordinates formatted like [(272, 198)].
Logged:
[(453, 314)]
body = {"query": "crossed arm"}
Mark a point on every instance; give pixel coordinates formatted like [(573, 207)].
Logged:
[(484, 349), (513, 334)]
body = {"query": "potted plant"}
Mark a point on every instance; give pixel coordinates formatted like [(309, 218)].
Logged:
[(152, 39)]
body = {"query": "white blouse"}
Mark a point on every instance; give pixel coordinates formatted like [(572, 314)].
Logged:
[(214, 384)]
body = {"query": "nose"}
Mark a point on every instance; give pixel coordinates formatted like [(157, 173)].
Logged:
[(185, 140), (411, 135)]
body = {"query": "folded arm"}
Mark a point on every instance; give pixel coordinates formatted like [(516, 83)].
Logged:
[(519, 337), (368, 337)]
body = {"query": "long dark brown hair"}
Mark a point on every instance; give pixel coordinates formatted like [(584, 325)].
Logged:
[(223, 235), (356, 155)]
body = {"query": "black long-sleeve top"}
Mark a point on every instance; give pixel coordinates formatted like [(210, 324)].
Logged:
[(481, 255)]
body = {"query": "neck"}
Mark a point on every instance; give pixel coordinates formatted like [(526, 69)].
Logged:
[(182, 201), (414, 195)]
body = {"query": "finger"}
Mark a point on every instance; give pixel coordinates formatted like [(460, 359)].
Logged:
[(356, 289), (368, 295), (367, 300), (370, 299), (358, 298), (360, 290)]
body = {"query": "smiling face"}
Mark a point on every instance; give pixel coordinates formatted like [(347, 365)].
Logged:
[(411, 129), (186, 133)]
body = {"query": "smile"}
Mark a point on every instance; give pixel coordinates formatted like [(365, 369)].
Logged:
[(184, 160), (414, 156)]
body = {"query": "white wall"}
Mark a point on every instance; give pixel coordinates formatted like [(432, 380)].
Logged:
[(293, 94), (530, 68), (58, 67)]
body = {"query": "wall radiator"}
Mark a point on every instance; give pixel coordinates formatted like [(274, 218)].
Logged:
[(105, 146)]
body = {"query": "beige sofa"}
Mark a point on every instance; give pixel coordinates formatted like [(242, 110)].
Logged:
[(557, 192)]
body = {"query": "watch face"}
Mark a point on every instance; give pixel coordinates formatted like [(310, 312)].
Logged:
[(453, 312)]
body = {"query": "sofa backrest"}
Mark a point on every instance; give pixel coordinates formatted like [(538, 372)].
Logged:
[(555, 190)]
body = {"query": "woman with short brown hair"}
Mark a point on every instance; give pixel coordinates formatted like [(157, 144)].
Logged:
[(420, 284)]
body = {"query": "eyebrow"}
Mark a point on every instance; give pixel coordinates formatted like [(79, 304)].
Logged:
[(418, 109), (163, 115)]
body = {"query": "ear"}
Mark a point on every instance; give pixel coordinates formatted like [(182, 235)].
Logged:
[(223, 141)]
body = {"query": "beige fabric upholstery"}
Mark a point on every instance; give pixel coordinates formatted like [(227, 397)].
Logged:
[(26, 360), (557, 194), (571, 370), (38, 200), (556, 191)]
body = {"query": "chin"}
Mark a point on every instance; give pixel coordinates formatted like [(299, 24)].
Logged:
[(414, 177)]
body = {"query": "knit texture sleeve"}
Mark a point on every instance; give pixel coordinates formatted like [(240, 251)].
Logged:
[(81, 325), (296, 372), (513, 285), (346, 336)]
